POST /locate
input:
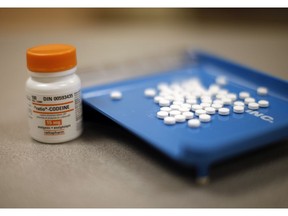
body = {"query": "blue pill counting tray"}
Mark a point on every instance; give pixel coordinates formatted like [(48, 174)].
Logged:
[(220, 139)]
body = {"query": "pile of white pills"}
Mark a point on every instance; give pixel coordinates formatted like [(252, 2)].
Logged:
[(190, 101)]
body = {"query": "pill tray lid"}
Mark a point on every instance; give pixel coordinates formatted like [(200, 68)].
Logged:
[(223, 137)]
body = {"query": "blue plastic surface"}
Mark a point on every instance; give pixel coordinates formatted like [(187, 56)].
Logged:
[(223, 137)]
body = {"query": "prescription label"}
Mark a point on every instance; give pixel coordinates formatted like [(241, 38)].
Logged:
[(54, 115)]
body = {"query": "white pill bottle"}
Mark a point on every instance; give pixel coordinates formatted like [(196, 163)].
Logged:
[(53, 93)]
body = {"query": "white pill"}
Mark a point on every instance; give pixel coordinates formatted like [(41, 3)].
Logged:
[(210, 110), (262, 91), (227, 101), (162, 86), (204, 105), (184, 109), (253, 106), (220, 96), (191, 101), (174, 113), (205, 118), (244, 95), (162, 114), (206, 100), (175, 107), (116, 95), (187, 105), (163, 93), (214, 89), (224, 111), (239, 103), (223, 92), (169, 120), (188, 115), (157, 99), (193, 123), (221, 80), (180, 118), (200, 112), (196, 107), (232, 96), (249, 100), (263, 103), (150, 92), (166, 109), (169, 97), (164, 102), (218, 102), (190, 97), (217, 106), (177, 102), (205, 97), (238, 109)]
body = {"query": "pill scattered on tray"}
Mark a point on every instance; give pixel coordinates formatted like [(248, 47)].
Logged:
[(116, 95), (262, 90), (190, 101)]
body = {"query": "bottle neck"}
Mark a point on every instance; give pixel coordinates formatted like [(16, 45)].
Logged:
[(52, 75)]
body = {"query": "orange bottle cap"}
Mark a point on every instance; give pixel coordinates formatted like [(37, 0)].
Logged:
[(51, 58)]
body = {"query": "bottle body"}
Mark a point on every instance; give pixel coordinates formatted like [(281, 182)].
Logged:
[(54, 106)]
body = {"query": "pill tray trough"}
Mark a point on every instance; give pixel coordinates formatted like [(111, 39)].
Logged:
[(220, 139)]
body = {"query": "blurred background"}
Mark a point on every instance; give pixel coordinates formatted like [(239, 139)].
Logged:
[(103, 168), (256, 37)]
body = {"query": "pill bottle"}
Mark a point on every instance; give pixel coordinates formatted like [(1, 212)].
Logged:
[(53, 93)]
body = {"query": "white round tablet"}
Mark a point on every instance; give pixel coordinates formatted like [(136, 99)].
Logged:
[(191, 101), (157, 99), (220, 96), (232, 96), (169, 97), (204, 105), (175, 107), (162, 114), (244, 95), (174, 112), (218, 102), (196, 107), (227, 101), (223, 92), (238, 103), (205, 118), (180, 118), (164, 102), (116, 95), (184, 109), (217, 106), (253, 106), (166, 109), (210, 110), (224, 111), (162, 86), (194, 123), (188, 115), (249, 100), (206, 100), (186, 105), (238, 109), (177, 102), (169, 120), (214, 89), (150, 92), (200, 112), (263, 103), (221, 80), (262, 91)]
